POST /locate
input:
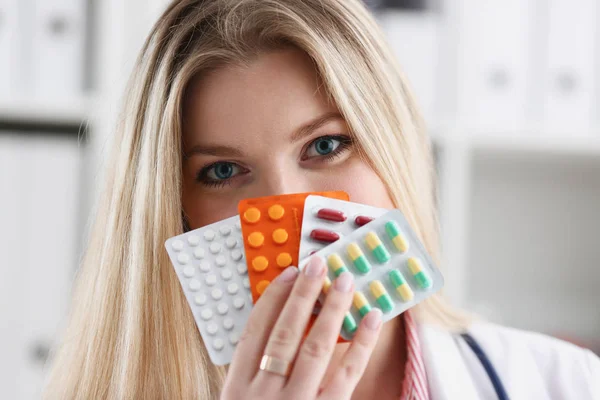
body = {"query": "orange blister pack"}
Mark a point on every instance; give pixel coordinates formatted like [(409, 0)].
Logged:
[(271, 228)]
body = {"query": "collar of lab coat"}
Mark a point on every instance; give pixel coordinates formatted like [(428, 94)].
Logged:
[(448, 375)]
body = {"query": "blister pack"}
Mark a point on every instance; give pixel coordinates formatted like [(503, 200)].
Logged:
[(391, 268), (271, 230), (211, 268), (325, 220)]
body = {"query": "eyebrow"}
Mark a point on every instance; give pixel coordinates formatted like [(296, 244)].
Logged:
[(226, 151), (315, 124)]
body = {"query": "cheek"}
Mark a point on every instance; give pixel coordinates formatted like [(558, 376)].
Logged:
[(362, 184), (202, 209)]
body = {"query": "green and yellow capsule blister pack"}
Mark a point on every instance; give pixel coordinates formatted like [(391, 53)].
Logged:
[(392, 270)]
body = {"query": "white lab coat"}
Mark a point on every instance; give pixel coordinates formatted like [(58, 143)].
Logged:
[(531, 366)]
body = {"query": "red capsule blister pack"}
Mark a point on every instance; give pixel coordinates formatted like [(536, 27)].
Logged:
[(327, 220)]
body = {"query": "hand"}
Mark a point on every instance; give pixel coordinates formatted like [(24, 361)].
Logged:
[(276, 328)]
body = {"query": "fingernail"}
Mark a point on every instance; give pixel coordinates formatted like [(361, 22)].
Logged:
[(344, 282), (288, 275), (373, 319), (314, 268)]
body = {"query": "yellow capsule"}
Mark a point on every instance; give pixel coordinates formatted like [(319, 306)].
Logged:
[(359, 300), (326, 285), (354, 251), (405, 292), (372, 240), (414, 265), (400, 243), (335, 262), (377, 289)]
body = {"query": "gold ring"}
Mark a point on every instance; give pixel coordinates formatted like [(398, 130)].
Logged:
[(275, 365)]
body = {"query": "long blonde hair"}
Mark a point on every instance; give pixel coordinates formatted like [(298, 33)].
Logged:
[(131, 333)]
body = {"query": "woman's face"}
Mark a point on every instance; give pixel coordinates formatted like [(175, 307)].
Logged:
[(263, 130)]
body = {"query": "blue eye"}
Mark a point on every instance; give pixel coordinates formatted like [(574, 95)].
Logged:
[(222, 170), (323, 147), (218, 173)]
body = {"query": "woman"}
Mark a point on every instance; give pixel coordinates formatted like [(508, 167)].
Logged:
[(234, 99)]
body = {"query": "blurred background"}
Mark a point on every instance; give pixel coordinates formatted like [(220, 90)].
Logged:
[(511, 93)]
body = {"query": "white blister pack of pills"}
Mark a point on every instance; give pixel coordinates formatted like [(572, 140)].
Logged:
[(391, 268), (211, 268), (326, 220)]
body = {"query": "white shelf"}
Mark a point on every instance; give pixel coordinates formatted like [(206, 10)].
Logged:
[(75, 112), (529, 140)]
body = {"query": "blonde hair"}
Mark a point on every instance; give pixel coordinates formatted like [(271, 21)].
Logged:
[(131, 333)]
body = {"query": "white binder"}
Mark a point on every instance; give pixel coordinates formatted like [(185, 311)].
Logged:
[(58, 46), (9, 49), (414, 37), (493, 68), (569, 76)]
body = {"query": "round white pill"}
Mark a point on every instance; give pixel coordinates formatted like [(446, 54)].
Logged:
[(209, 235), (234, 338), (250, 297), (204, 266), (216, 293), (226, 274), (212, 328), (236, 255), (220, 261), (218, 344), (194, 284), (242, 269), (222, 308), (183, 258), (188, 271), (200, 299), (228, 323), (238, 302), (206, 314), (215, 248), (230, 243), (211, 279), (177, 245), (225, 230), (199, 253), (193, 240), (246, 282), (238, 226), (232, 288)]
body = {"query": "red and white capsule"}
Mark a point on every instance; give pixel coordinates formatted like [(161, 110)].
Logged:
[(323, 235), (330, 214)]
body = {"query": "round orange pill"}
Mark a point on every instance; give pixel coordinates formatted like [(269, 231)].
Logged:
[(276, 212), (261, 286), (260, 263), (252, 215), (284, 260), (280, 236), (256, 239)]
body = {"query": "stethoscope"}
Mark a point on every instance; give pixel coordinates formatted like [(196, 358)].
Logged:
[(487, 366)]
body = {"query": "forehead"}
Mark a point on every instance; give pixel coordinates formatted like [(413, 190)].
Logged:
[(274, 93)]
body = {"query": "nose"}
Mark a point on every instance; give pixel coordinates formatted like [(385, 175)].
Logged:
[(284, 180)]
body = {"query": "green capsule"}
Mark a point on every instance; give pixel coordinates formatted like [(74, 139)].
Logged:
[(349, 324)]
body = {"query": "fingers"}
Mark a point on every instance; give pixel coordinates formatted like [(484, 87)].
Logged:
[(253, 340), (316, 351), (354, 362), (287, 333)]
